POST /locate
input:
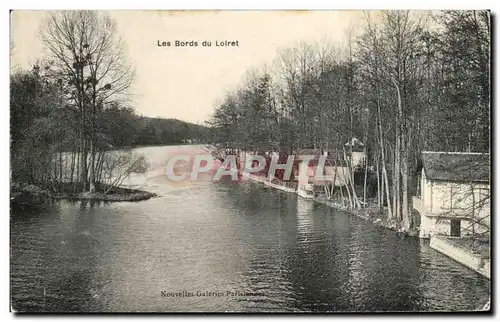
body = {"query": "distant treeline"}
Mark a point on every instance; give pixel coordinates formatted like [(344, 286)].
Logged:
[(72, 108), (44, 124), (134, 130)]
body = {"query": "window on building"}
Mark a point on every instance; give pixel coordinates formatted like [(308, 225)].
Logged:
[(455, 227)]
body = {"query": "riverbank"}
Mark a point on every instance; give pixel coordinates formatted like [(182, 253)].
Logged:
[(29, 193), (369, 213), (278, 186), (208, 223)]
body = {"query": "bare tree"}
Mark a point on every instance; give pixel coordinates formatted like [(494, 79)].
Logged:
[(118, 165), (88, 57)]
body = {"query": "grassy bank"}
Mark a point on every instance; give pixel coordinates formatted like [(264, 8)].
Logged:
[(29, 193), (370, 213)]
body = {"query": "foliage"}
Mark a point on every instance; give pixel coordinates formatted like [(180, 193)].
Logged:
[(406, 83), (44, 127)]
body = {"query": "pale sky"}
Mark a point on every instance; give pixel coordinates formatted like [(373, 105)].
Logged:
[(183, 82)]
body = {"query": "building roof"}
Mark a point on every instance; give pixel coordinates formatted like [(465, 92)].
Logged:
[(456, 166), (354, 142)]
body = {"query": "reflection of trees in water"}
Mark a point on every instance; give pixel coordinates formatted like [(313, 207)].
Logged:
[(291, 256), (74, 265), (388, 269), (319, 265), (323, 260), (312, 257), (55, 258), (34, 212), (305, 219), (296, 257), (28, 266), (265, 217), (348, 265)]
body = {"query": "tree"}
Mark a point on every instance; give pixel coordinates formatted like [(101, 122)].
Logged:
[(88, 57), (465, 45), (37, 134), (404, 85)]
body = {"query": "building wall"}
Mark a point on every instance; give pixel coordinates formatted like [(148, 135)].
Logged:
[(454, 200), (358, 159), (430, 226), (426, 226)]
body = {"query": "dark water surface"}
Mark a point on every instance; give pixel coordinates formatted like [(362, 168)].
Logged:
[(274, 252)]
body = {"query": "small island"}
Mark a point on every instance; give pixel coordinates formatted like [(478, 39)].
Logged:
[(32, 194), (65, 147)]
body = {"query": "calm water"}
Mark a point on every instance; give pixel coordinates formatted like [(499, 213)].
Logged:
[(280, 253)]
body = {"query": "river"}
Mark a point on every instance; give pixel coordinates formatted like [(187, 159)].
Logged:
[(223, 246)]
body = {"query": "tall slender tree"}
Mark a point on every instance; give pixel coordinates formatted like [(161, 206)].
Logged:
[(88, 56)]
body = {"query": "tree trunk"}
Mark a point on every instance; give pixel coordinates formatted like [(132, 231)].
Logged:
[(342, 195), (84, 170), (406, 217), (395, 178), (334, 176), (351, 205), (386, 186), (92, 167), (349, 184), (83, 163), (72, 167), (379, 188), (60, 167), (364, 183), (78, 166), (401, 164), (382, 151)]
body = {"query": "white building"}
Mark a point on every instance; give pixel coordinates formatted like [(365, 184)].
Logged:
[(358, 152), (335, 167), (454, 194)]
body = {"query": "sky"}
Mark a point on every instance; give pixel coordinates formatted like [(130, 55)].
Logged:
[(186, 82)]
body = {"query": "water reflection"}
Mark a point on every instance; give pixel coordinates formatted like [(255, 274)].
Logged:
[(305, 220), (286, 253)]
